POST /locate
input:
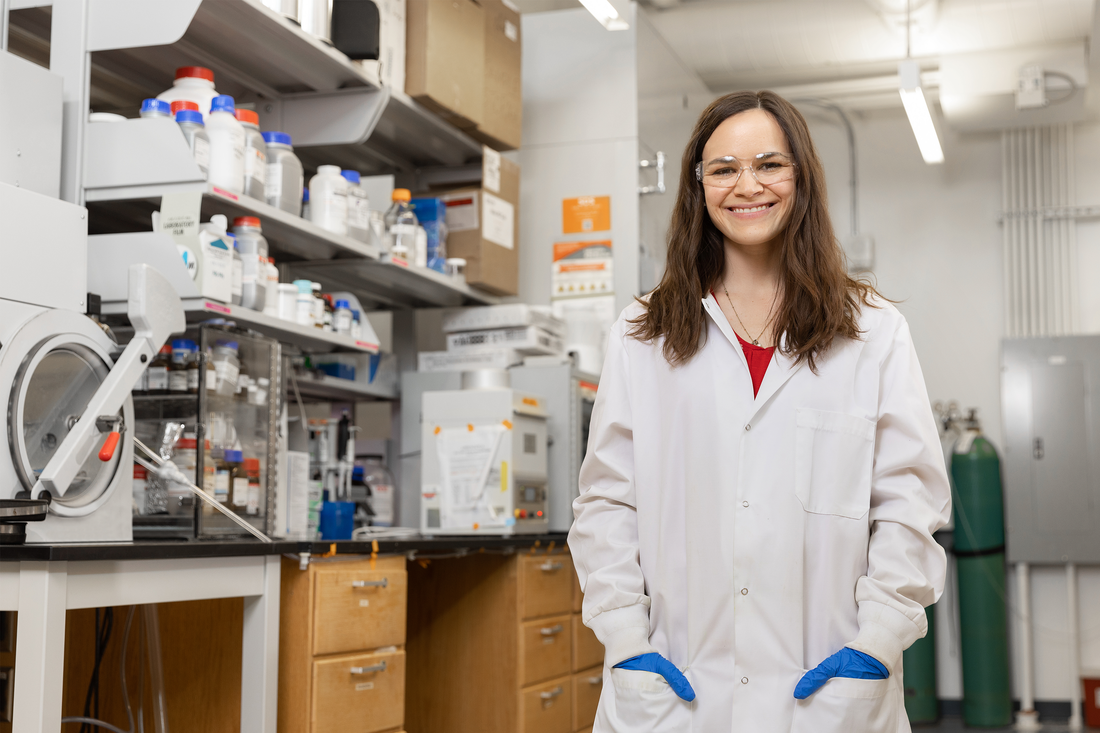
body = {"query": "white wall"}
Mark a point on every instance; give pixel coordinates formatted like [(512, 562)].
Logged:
[(1087, 162)]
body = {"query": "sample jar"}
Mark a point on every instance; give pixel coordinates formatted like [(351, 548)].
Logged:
[(288, 302), (255, 154), (253, 251), (284, 174), (328, 199), (194, 132), (227, 145)]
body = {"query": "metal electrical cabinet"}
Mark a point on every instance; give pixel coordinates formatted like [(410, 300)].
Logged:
[(1050, 398)]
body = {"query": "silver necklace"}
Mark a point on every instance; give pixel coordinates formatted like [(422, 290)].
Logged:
[(755, 341)]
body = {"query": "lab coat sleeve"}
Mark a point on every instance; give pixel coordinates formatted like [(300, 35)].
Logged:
[(604, 536), (910, 499)]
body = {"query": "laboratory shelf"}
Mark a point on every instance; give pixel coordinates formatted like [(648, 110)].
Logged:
[(309, 339), (331, 388), (389, 285), (130, 208)]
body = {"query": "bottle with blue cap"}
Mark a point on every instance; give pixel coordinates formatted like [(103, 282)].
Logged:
[(305, 302), (194, 131), (358, 207), (328, 199), (152, 108), (227, 145), (341, 318), (285, 179)]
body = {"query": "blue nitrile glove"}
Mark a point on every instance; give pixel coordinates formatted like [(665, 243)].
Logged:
[(845, 663), (654, 662)]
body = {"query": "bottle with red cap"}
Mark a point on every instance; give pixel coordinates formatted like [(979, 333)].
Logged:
[(255, 154), (194, 84), (181, 104), (253, 249)]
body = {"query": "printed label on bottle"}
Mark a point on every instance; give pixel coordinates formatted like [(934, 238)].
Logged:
[(255, 166), (358, 212), (221, 486), (202, 153), (208, 479), (273, 187), (192, 380), (240, 492), (254, 497), (177, 381), (158, 378), (238, 276), (227, 373)]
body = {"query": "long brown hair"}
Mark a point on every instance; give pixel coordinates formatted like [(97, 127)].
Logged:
[(820, 300)]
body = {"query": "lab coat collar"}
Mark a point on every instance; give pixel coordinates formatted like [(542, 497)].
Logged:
[(781, 368)]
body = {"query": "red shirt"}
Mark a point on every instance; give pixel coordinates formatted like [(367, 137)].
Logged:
[(758, 358)]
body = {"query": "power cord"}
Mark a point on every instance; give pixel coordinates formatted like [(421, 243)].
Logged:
[(90, 719)]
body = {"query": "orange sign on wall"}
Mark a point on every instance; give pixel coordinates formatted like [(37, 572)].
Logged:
[(586, 214)]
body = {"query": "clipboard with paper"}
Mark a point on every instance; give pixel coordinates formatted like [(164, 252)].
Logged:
[(470, 468)]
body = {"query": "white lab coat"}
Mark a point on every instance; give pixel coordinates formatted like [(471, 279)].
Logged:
[(746, 540)]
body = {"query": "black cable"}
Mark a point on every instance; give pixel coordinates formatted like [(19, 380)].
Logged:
[(102, 636)]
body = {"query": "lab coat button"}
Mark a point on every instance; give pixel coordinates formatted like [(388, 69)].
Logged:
[(748, 427), (744, 680), (744, 591), (744, 503)]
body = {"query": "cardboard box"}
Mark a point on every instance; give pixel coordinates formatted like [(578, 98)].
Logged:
[(483, 226), (501, 126), (445, 58)]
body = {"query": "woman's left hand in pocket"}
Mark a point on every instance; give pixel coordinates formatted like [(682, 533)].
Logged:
[(845, 663)]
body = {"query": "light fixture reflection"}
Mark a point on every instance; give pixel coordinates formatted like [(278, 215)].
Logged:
[(605, 13), (916, 108)]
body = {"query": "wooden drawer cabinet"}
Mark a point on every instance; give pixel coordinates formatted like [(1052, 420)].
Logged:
[(547, 707), (359, 608), (342, 660), (587, 686), (546, 585), (545, 648), (359, 693), (587, 649)]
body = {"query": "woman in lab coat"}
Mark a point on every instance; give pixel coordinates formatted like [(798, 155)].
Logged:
[(764, 473)]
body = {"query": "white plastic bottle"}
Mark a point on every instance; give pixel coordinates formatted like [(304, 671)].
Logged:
[(401, 226), (328, 199), (271, 295), (235, 285), (255, 155), (284, 174), (305, 302), (155, 108), (190, 123), (227, 143), (341, 318), (358, 207), (253, 249), (194, 84)]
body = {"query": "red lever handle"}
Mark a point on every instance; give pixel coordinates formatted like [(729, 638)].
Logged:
[(107, 452)]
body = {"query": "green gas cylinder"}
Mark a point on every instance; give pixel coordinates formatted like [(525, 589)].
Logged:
[(919, 673), (979, 552)]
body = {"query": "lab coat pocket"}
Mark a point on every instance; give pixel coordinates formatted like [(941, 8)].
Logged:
[(644, 703), (849, 706), (834, 457)]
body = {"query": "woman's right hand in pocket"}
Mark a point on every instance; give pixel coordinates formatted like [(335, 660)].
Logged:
[(654, 662)]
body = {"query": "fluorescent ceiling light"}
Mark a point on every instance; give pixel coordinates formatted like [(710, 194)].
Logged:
[(605, 12), (916, 107)]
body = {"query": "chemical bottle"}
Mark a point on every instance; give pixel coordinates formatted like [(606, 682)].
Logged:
[(151, 108), (227, 142), (237, 272), (236, 481), (194, 132), (356, 329), (305, 302), (328, 199), (318, 306), (177, 370), (358, 207), (380, 483), (401, 226), (140, 481), (193, 370), (255, 155), (182, 104), (284, 174), (252, 474), (341, 318), (227, 366), (420, 257), (211, 378), (271, 293), (253, 251), (306, 211), (158, 371), (222, 479), (376, 232), (142, 386), (194, 84)]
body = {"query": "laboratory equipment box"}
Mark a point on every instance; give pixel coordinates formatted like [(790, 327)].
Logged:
[(211, 405), (1051, 410)]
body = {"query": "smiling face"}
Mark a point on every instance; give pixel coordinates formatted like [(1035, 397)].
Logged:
[(749, 214)]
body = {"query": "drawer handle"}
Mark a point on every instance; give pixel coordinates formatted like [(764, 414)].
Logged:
[(383, 583), (380, 667), (549, 567), (551, 694), (595, 680), (551, 630)]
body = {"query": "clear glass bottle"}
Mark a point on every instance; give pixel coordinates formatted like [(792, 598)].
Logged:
[(227, 366), (194, 132), (223, 480), (358, 207), (401, 227), (380, 482), (255, 155), (284, 174)]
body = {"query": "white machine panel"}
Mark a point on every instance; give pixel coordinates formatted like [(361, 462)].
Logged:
[(30, 127)]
